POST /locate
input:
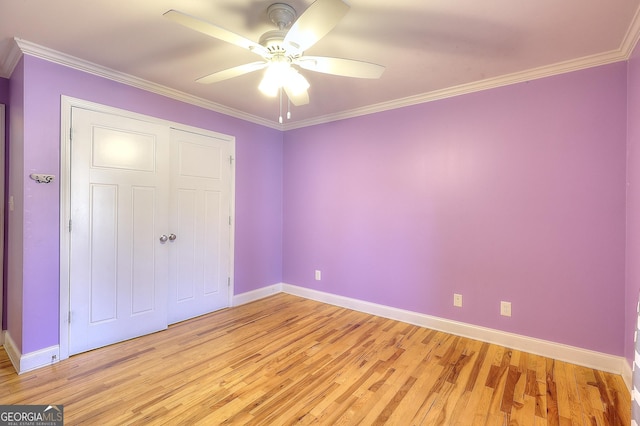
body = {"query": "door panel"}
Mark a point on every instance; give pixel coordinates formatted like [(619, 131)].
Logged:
[(185, 252), (214, 224), (119, 208), (102, 251), (201, 204), (120, 149), (143, 258)]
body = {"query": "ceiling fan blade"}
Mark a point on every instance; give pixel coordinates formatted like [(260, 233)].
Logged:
[(298, 99), (315, 23), (232, 72), (343, 67), (215, 31)]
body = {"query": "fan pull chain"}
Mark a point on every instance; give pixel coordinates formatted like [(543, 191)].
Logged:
[(280, 118), (288, 108)]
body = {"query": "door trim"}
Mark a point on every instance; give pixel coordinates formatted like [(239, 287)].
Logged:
[(67, 103)]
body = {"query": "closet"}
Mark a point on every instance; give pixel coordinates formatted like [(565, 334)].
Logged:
[(149, 225)]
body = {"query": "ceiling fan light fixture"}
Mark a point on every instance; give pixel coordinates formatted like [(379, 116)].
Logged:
[(268, 89), (280, 74), (296, 82), (275, 76)]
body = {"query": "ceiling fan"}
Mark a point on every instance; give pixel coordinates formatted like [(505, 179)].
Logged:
[(284, 47)]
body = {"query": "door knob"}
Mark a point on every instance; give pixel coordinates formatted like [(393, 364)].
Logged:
[(172, 237), (163, 238)]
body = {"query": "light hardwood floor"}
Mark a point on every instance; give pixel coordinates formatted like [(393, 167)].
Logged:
[(287, 360)]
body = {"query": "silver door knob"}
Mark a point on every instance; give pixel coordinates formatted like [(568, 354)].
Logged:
[(172, 237), (163, 238)]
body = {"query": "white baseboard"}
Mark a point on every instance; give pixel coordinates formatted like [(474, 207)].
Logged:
[(32, 360), (571, 354), (627, 374), (604, 362), (12, 351), (251, 296)]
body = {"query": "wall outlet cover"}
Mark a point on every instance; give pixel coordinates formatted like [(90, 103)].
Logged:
[(457, 300), (505, 309)]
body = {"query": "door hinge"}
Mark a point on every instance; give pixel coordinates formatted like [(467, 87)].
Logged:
[(228, 281), (231, 160), (71, 133), (69, 225), (69, 317)]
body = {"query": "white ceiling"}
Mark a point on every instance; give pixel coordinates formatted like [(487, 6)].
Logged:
[(431, 49)]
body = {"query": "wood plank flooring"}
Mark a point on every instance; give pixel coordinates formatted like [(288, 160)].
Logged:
[(286, 360)]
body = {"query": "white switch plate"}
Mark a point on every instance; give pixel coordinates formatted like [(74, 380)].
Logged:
[(505, 309), (318, 275), (457, 300)]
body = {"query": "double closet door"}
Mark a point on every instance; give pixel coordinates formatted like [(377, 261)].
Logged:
[(150, 241)]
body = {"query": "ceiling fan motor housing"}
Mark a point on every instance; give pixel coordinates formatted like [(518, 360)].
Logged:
[(281, 14), (273, 42)]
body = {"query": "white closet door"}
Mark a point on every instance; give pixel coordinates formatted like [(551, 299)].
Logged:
[(119, 210), (200, 254)]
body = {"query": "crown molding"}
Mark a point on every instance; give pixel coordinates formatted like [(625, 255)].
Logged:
[(32, 49), (622, 54), (631, 37), (476, 86), (9, 62)]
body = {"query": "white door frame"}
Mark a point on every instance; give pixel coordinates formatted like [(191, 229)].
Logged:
[(67, 103)]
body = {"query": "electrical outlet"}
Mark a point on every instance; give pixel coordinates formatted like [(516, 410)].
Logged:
[(457, 300), (318, 275), (505, 309)]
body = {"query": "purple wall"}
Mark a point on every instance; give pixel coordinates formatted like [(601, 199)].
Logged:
[(633, 201), (516, 194), (258, 254)]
